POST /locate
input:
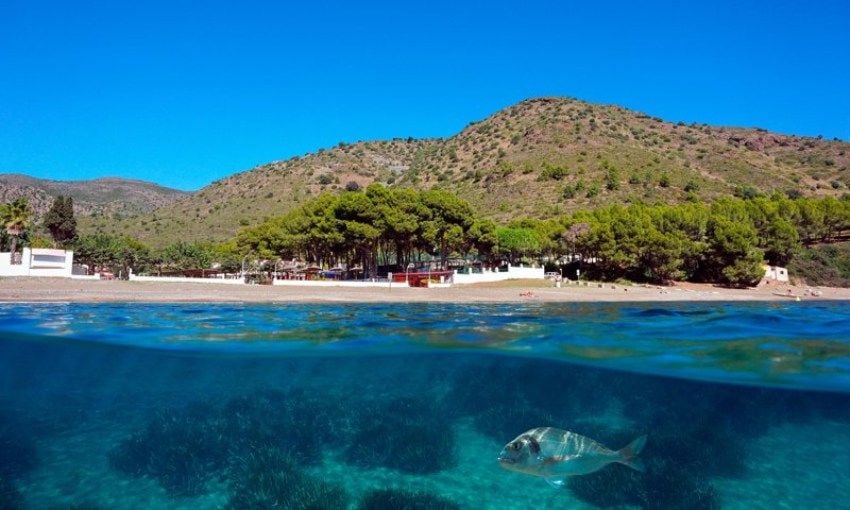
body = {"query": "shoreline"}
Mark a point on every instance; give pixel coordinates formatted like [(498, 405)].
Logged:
[(62, 290)]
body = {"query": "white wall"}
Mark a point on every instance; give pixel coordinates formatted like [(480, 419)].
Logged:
[(8, 269), (513, 272), (85, 276), (183, 279), (775, 273), (38, 262), (336, 283)]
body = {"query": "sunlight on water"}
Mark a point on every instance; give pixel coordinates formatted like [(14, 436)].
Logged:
[(407, 406)]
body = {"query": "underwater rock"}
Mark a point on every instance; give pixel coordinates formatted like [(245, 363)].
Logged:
[(389, 499), (269, 478), (405, 434)]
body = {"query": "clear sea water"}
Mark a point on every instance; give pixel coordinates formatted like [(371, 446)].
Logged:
[(126, 406)]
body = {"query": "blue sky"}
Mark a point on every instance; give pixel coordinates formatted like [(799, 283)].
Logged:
[(181, 95)]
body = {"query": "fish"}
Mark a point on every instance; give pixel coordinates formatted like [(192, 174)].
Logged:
[(556, 454)]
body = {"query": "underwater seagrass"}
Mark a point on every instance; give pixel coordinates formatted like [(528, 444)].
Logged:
[(17, 448), (181, 450), (184, 449), (269, 478), (661, 486), (406, 434), (10, 497), (502, 420), (296, 422), (505, 395), (387, 499)]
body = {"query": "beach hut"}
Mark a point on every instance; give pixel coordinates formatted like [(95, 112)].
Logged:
[(775, 274)]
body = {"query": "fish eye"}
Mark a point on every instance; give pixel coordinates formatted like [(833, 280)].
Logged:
[(514, 446)]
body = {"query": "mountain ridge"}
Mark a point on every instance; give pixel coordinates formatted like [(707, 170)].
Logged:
[(105, 196), (541, 157)]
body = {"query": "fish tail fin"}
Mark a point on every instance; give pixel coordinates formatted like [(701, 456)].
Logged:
[(628, 455)]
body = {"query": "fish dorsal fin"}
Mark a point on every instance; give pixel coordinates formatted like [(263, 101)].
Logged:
[(556, 481)]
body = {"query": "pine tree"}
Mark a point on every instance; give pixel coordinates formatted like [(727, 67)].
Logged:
[(60, 220)]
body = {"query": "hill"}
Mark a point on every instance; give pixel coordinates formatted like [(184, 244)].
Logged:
[(540, 158), (110, 197)]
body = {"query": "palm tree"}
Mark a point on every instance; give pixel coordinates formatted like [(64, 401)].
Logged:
[(15, 217)]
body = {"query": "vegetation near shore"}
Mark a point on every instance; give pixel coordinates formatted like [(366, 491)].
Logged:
[(827, 265), (376, 225), (725, 241)]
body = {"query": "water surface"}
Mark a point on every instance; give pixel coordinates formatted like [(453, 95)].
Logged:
[(382, 406)]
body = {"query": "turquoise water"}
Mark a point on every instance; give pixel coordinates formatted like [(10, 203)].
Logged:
[(408, 406)]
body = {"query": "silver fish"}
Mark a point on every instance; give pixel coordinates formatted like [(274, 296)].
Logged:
[(556, 454)]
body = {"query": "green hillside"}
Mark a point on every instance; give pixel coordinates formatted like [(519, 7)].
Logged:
[(109, 197), (539, 158)]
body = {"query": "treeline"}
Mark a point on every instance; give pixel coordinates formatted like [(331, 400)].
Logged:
[(369, 228), (58, 229), (16, 219), (119, 254), (376, 226), (726, 241)]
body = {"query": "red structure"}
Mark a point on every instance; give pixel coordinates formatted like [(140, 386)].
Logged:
[(421, 279)]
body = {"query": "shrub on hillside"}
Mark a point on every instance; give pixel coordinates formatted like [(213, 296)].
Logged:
[(553, 172), (827, 265)]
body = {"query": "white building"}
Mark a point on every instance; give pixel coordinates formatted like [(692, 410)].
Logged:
[(38, 262), (495, 275), (775, 274)]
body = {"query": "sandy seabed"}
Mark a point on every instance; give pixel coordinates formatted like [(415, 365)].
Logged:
[(68, 290)]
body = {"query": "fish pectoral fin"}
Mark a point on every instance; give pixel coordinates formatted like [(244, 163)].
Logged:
[(554, 459), (556, 481)]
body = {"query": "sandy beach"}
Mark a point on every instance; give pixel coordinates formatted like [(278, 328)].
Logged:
[(67, 290)]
